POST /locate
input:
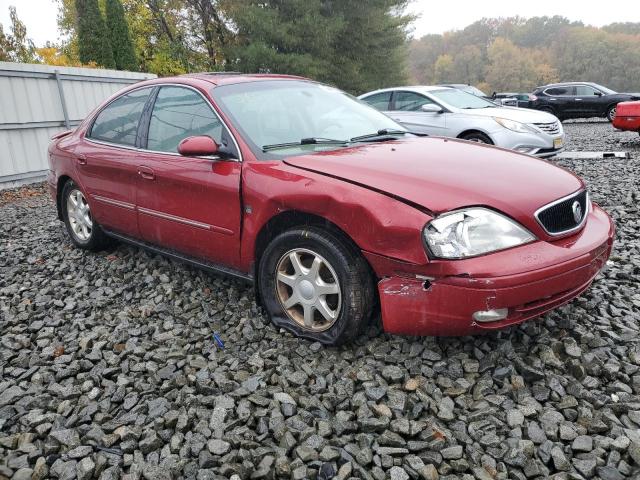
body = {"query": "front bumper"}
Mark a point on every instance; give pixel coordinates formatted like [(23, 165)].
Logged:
[(538, 144), (445, 305)]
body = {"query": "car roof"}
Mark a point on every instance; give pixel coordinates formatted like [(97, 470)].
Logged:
[(412, 88), (206, 79), (226, 78), (563, 84)]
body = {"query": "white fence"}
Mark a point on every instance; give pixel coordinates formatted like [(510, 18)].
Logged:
[(37, 101)]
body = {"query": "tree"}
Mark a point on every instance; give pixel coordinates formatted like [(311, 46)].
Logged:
[(443, 69), (371, 47), (119, 37), (93, 39), (510, 68), (355, 45), (16, 46)]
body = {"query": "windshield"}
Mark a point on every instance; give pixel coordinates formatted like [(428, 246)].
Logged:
[(473, 91), (459, 99), (605, 90), (274, 113)]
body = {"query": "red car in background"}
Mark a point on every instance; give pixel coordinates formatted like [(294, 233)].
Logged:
[(328, 206), (628, 116)]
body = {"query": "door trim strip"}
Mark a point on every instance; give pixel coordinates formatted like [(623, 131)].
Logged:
[(185, 221), (116, 203)]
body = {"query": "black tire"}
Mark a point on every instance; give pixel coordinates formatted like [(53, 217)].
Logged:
[(477, 137), (611, 112), (96, 240), (354, 278)]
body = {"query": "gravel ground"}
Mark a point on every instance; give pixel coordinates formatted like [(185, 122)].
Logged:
[(108, 369)]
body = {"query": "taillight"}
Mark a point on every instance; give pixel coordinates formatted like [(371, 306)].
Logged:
[(533, 98)]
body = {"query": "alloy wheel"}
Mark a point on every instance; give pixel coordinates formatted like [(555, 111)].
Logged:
[(79, 215), (308, 289)]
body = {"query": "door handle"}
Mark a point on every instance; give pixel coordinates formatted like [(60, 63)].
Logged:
[(81, 159), (578, 99), (146, 173)]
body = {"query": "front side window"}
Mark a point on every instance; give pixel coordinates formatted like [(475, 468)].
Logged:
[(179, 113), (586, 91), (410, 101), (118, 121), (379, 101), (459, 99)]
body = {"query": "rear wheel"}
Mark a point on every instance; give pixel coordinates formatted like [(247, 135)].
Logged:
[(611, 113), (315, 284), (85, 233), (477, 137)]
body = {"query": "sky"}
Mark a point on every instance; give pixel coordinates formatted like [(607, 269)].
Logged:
[(40, 15)]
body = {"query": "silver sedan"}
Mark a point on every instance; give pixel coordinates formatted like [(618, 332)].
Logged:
[(449, 112)]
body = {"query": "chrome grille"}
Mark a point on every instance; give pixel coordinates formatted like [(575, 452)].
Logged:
[(559, 217), (552, 128)]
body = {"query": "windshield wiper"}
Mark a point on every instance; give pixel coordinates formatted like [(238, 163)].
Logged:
[(382, 133), (305, 141)]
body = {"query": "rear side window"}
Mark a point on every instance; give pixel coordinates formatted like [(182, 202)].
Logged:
[(410, 102), (379, 101), (559, 91), (118, 121), (179, 113)]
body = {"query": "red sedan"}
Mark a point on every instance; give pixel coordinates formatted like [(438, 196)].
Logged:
[(331, 208)]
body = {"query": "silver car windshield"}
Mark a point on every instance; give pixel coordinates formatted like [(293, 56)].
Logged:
[(281, 113), (459, 99)]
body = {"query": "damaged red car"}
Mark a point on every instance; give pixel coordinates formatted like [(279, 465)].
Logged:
[(332, 209)]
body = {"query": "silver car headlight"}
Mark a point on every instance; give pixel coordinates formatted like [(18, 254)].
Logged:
[(514, 126), (471, 232)]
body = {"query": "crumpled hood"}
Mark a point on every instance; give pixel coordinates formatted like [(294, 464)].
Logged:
[(443, 174), (523, 115)]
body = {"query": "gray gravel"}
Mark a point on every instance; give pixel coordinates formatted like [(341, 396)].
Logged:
[(108, 370)]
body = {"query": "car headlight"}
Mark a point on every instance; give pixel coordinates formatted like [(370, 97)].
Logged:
[(473, 231), (514, 126)]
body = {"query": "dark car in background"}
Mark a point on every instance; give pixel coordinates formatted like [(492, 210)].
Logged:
[(579, 100), (506, 102), (522, 100)]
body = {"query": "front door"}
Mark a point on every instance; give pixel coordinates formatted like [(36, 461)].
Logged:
[(107, 162), (589, 100), (188, 204), (406, 108)]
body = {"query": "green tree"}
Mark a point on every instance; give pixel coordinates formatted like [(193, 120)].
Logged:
[(119, 37), (370, 49), (93, 39), (352, 44), (17, 46)]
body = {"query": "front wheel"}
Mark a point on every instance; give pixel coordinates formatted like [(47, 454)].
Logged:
[(611, 113), (477, 137), (85, 233), (316, 285)]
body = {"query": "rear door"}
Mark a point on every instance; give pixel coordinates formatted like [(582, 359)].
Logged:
[(188, 204), (107, 162), (561, 99), (406, 108)]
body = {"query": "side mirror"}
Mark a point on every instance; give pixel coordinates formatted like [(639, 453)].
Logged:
[(431, 108), (597, 94), (199, 146)]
